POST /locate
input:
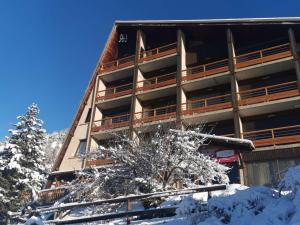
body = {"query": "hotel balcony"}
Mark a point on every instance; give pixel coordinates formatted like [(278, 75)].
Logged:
[(98, 162), (116, 64), (157, 82), (208, 109), (205, 70), (102, 129), (264, 61), (269, 99), (158, 58), (166, 113), (114, 92), (206, 75), (275, 136)]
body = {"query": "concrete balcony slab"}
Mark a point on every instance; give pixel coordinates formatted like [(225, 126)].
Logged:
[(265, 68), (158, 63), (270, 107)]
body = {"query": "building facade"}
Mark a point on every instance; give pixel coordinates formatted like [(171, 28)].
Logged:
[(240, 78)]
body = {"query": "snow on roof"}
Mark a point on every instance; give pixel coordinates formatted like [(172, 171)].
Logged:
[(236, 143)]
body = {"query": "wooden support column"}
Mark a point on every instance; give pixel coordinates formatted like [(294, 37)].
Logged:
[(295, 54), (140, 37), (181, 65), (234, 85), (238, 130)]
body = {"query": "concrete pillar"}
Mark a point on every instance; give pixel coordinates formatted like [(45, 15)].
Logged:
[(140, 77), (90, 126), (238, 128), (140, 42), (181, 65), (295, 54)]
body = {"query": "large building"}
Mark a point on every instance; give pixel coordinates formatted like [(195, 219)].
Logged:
[(241, 77)]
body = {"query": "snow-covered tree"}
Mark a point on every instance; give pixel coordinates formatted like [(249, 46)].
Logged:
[(153, 162), (21, 160), (168, 156)]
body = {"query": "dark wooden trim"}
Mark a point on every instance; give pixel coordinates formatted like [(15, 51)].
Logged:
[(258, 156)]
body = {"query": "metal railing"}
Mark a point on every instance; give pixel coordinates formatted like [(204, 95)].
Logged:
[(275, 136), (114, 92), (158, 52), (156, 82), (263, 56), (116, 64), (207, 104), (111, 122), (268, 93), (150, 115), (204, 70), (128, 213)]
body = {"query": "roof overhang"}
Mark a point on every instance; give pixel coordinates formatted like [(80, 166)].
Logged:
[(273, 20)]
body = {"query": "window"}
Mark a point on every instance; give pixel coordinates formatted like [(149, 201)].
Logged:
[(81, 148), (88, 116)]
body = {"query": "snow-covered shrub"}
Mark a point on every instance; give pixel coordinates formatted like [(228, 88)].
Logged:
[(259, 205), (291, 180), (244, 203)]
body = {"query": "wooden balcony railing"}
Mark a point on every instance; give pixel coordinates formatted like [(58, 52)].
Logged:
[(156, 82), (207, 104), (111, 123), (50, 195), (150, 115), (158, 52), (263, 56), (275, 136), (205, 70), (114, 92), (116, 64), (268, 93), (98, 162)]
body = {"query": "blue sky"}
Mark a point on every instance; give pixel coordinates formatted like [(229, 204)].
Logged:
[(49, 48)]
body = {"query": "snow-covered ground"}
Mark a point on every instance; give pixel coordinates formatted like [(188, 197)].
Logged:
[(238, 205)]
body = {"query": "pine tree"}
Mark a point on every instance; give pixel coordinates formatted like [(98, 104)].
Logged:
[(21, 160)]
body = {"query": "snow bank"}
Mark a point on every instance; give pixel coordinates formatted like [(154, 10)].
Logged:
[(258, 205), (34, 221)]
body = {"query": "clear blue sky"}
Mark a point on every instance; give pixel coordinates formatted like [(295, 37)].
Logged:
[(49, 48)]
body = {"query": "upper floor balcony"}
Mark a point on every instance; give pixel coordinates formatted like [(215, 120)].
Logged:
[(112, 122), (159, 52), (263, 56), (274, 136), (114, 92), (205, 70), (156, 114), (268, 93), (157, 82), (116, 64), (207, 104)]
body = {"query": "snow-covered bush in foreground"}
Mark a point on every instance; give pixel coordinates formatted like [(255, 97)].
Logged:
[(259, 205)]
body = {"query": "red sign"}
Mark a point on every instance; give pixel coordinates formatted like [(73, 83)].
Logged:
[(226, 156)]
